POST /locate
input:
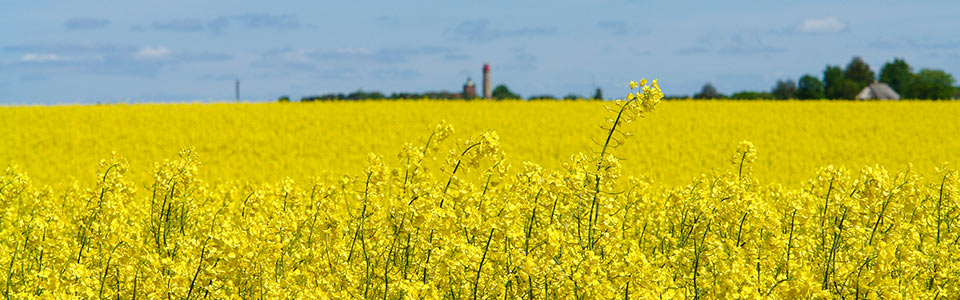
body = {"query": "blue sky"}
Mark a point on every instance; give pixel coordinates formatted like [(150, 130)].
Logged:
[(138, 51)]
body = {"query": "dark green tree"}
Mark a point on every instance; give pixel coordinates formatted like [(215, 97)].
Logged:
[(835, 86), (283, 98), (598, 95), (896, 74), (785, 89), (364, 95), (930, 84), (572, 97), (542, 97), (832, 80), (809, 87), (708, 91), (849, 89), (502, 92), (859, 72), (751, 95)]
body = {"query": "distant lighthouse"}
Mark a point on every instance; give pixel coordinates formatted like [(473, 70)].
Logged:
[(487, 92), (469, 90)]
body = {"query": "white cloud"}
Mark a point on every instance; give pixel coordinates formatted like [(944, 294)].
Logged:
[(40, 58), (824, 25), (345, 52), (153, 53), (298, 55), (306, 56), (310, 56)]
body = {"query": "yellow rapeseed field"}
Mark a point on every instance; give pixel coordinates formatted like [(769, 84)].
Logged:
[(521, 201), (273, 141)]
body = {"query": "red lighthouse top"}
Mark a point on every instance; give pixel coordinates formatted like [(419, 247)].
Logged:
[(486, 67)]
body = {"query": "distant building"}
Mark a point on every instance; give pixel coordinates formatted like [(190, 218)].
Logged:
[(878, 91), (487, 89), (469, 90)]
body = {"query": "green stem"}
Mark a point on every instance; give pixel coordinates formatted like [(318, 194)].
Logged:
[(476, 282)]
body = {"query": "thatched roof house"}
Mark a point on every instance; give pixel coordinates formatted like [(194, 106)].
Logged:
[(878, 91)]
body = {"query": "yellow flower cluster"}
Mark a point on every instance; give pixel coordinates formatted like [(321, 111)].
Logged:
[(469, 224)]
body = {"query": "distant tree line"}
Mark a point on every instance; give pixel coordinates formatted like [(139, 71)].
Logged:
[(375, 95), (846, 83), (501, 92)]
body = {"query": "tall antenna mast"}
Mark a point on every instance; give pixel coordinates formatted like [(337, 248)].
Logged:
[(236, 88)]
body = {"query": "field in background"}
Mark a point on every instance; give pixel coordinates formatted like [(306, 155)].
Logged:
[(271, 141)]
